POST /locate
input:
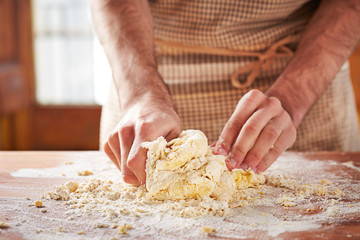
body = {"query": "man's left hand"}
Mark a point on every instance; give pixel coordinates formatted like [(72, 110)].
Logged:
[(257, 133)]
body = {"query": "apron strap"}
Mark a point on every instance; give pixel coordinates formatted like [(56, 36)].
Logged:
[(263, 61)]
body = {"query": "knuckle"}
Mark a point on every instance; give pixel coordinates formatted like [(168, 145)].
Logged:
[(277, 151), (254, 156), (237, 150), (233, 124), (255, 93), (251, 128), (274, 102), (251, 98), (125, 130), (271, 133), (143, 126)]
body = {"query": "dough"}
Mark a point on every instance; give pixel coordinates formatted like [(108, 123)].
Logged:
[(186, 168)]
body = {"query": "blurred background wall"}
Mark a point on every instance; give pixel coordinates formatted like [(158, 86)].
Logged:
[(54, 76)]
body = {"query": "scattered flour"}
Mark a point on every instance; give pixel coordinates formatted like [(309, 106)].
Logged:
[(219, 202), (350, 164)]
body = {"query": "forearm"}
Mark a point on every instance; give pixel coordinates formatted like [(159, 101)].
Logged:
[(329, 39), (125, 31)]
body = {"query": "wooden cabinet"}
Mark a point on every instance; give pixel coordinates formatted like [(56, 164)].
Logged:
[(24, 124)]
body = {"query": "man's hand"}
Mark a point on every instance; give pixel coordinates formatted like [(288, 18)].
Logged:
[(142, 122), (125, 29), (257, 133)]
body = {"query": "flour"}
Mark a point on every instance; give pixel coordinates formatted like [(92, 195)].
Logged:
[(238, 197), (350, 164), (288, 201)]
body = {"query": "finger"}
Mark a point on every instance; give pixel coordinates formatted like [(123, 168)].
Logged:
[(137, 160), (126, 137), (111, 155), (173, 134), (252, 129), (284, 141), (114, 144), (265, 141), (245, 108)]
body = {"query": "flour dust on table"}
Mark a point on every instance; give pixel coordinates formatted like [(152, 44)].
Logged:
[(189, 192)]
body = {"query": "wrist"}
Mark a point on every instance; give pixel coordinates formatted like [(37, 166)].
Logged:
[(290, 101), (145, 87)]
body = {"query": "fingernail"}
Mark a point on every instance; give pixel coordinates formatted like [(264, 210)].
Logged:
[(221, 151), (231, 161), (244, 166)]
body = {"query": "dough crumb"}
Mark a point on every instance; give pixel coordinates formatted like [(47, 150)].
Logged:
[(85, 173), (60, 229), (325, 182), (287, 201), (43, 210), (337, 192), (38, 204), (4, 225), (208, 230), (81, 233), (27, 198), (122, 229), (69, 163), (100, 225), (72, 186)]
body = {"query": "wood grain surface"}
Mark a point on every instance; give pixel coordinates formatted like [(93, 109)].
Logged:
[(18, 190)]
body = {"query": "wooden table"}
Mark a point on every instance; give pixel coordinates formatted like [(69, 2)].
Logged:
[(25, 176)]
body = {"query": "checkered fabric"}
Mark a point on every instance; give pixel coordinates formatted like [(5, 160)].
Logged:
[(200, 83)]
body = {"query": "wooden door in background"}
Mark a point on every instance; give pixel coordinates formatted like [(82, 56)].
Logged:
[(16, 74), (24, 124)]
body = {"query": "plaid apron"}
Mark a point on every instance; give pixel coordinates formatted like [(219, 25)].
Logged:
[(211, 52)]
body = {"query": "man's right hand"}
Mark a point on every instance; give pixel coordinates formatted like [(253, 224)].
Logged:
[(144, 121), (125, 30)]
